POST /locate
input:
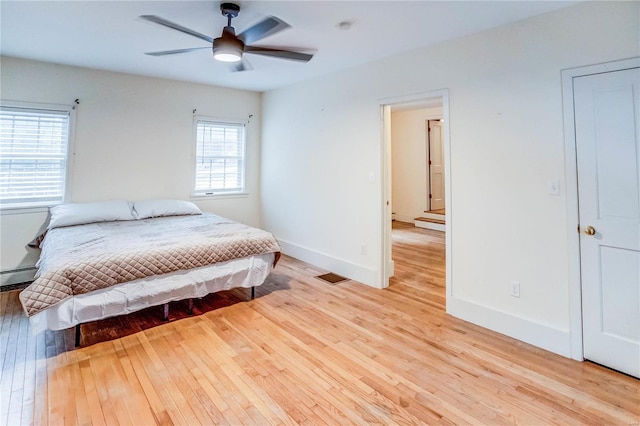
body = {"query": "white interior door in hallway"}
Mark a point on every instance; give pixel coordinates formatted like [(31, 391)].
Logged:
[(436, 165), (607, 117)]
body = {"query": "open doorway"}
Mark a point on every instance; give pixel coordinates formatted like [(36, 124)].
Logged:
[(415, 156), (409, 182), (434, 215)]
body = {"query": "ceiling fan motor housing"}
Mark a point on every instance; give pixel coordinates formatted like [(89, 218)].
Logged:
[(228, 44)]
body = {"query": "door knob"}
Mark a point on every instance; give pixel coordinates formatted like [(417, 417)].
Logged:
[(590, 230)]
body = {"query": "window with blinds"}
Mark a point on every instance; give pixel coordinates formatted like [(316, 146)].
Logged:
[(33, 155), (220, 157)]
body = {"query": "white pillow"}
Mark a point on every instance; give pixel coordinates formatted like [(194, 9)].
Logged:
[(156, 208), (81, 213)]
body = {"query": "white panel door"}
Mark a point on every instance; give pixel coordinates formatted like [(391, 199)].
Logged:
[(607, 121), (436, 165)]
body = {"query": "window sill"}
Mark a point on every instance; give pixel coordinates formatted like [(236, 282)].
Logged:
[(219, 195), (25, 209)]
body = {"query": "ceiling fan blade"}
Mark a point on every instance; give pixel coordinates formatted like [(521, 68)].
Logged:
[(173, 25), (267, 27), (243, 65), (278, 53), (173, 52)]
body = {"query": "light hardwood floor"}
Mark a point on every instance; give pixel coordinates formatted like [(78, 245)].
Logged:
[(304, 352)]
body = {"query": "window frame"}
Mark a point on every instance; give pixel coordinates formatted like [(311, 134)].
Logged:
[(242, 191), (70, 154)]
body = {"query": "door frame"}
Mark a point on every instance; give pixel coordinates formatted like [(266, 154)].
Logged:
[(385, 182), (571, 176)]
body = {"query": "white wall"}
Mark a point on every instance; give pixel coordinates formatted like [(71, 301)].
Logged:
[(133, 141), (322, 138), (409, 178)]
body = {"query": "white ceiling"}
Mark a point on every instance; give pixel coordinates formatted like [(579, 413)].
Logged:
[(109, 35)]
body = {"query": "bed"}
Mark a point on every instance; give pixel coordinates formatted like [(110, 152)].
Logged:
[(105, 259)]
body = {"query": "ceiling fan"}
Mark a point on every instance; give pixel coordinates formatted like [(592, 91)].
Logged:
[(230, 47)]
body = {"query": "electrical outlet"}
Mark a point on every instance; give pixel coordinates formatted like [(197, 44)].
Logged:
[(515, 288), (363, 249)]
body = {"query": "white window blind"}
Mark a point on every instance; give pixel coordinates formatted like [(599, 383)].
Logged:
[(33, 155), (220, 157)]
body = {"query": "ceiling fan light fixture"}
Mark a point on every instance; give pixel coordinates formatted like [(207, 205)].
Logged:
[(227, 56), (228, 48)]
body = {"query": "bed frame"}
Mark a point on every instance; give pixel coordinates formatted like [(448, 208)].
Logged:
[(165, 315)]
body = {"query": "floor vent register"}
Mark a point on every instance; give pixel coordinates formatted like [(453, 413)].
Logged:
[(332, 278)]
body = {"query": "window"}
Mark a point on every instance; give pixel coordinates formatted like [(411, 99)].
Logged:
[(33, 155), (219, 157)]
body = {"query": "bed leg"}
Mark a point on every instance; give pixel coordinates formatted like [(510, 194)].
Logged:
[(253, 292), (190, 309), (77, 335), (165, 316)]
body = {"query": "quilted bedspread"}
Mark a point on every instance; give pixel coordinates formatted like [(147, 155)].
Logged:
[(83, 258)]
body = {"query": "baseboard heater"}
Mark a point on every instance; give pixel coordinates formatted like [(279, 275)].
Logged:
[(17, 276)]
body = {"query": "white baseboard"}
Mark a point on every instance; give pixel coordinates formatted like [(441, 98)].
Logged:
[(17, 276), (411, 219), (430, 225), (543, 336), (403, 218), (350, 270), (429, 215)]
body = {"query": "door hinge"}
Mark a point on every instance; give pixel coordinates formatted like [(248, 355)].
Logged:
[(429, 162), (578, 228), (430, 196)]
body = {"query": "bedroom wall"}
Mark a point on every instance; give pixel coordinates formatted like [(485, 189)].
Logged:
[(133, 140), (409, 174), (506, 139)]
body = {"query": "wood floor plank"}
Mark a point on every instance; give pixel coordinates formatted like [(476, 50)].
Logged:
[(39, 391), (91, 392), (303, 352), (27, 399), (9, 344)]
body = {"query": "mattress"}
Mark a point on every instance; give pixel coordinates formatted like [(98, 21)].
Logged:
[(138, 294)]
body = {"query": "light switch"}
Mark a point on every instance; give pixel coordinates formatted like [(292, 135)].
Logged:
[(372, 177), (554, 187)]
